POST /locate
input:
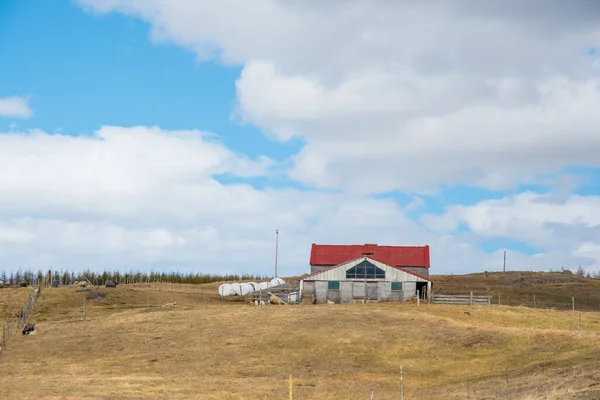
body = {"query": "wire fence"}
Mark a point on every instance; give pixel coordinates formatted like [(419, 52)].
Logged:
[(17, 321)]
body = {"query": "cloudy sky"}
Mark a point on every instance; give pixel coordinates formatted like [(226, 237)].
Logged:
[(179, 135)]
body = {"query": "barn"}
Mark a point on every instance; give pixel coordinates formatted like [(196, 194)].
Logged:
[(350, 273)]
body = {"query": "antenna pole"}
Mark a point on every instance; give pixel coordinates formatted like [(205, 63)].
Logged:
[(276, 249)]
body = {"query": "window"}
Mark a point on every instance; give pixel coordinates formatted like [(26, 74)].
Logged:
[(333, 285), (365, 270), (396, 286)]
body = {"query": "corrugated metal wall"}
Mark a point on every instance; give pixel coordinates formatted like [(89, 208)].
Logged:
[(409, 290)]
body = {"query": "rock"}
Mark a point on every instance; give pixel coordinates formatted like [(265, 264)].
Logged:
[(24, 283), (111, 284), (173, 304), (95, 296), (330, 302)]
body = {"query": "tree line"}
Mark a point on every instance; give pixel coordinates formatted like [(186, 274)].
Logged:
[(66, 277)]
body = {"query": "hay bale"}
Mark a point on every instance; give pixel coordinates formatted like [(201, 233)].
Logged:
[(82, 284), (24, 283), (2, 285)]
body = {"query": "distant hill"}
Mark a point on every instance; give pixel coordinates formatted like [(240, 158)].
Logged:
[(551, 289)]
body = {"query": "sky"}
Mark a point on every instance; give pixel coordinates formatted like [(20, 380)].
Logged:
[(179, 136)]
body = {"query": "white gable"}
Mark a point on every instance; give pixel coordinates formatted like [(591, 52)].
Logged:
[(338, 273)]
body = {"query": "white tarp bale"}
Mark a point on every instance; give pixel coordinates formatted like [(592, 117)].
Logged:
[(245, 288), (276, 282), (228, 289)]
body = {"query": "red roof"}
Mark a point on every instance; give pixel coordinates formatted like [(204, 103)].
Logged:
[(396, 256)]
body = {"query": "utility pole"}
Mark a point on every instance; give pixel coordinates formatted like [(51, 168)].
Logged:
[(276, 249), (504, 267)]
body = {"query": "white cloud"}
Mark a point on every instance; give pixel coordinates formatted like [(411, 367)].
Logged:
[(408, 95), (146, 198), (15, 107), (553, 224)]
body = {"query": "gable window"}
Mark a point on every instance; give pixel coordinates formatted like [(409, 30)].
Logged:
[(333, 285), (396, 286), (365, 270)]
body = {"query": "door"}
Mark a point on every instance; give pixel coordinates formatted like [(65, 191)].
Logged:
[(359, 290), (372, 290), (321, 291), (345, 292)]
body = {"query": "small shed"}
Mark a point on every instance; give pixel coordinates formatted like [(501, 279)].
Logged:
[(364, 279)]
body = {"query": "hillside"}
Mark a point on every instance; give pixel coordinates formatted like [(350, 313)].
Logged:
[(551, 289), (209, 348)]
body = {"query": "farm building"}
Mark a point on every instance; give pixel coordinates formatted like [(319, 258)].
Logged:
[(345, 274)]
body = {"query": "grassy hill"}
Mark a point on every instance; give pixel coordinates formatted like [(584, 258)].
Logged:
[(210, 348), (551, 289)]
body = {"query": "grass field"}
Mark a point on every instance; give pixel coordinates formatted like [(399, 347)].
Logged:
[(551, 289), (208, 348)]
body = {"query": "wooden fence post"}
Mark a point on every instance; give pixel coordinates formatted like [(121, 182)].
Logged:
[(84, 310), (291, 395), (401, 384), (499, 296), (471, 299), (418, 297), (573, 301)]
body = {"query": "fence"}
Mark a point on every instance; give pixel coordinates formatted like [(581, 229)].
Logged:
[(289, 293), (461, 299), (20, 319)]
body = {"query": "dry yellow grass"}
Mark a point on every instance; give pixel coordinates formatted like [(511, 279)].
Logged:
[(206, 348), (11, 299)]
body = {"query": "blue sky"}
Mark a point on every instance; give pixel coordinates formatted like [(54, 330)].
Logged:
[(83, 65)]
